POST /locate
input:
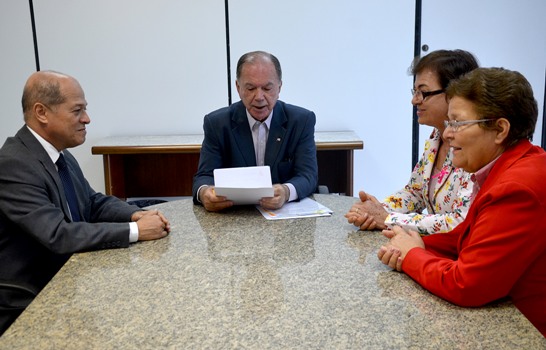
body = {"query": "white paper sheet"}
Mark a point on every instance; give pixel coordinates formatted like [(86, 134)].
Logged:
[(246, 185), (305, 208)]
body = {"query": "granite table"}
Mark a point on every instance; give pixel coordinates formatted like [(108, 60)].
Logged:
[(234, 280)]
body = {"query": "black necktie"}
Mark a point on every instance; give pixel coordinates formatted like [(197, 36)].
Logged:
[(69, 191)]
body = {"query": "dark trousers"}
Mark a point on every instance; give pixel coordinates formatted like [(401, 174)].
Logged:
[(7, 318), (14, 299)]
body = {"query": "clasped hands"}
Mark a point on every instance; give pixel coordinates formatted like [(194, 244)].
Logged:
[(401, 242), (212, 202), (152, 224), (368, 214)]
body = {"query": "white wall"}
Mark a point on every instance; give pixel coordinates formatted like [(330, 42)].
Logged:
[(158, 67), (153, 67), (347, 61), (501, 33), (16, 63)]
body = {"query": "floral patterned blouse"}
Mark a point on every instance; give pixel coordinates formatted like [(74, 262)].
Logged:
[(450, 200)]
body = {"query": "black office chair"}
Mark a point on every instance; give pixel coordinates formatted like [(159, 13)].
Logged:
[(323, 189), (13, 301), (141, 203)]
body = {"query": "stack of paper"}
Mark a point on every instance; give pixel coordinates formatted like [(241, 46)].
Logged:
[(305, 208), (243, 185)]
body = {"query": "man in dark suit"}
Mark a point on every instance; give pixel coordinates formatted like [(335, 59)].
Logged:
[(233, 137), (42, 218)]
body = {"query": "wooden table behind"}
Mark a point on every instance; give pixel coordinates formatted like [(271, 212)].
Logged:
[(164, 166)]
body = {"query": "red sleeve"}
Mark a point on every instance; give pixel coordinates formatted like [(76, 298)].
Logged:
[(444, 244), (504, 237)]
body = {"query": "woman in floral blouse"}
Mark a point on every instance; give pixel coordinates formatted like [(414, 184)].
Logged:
[(435, 185)]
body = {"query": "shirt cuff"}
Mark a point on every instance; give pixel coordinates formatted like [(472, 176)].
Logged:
[(293, 193), (199, 191), (133, 232)]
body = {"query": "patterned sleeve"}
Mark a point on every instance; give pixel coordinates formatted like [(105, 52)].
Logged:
[(450, 212), (409, 201), (411, 207)]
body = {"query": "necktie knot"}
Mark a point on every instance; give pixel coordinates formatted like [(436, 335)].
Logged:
[(61, 162)]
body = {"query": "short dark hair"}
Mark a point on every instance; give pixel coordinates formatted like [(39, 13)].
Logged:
[(499, 93), (447, 64), (250, 57)]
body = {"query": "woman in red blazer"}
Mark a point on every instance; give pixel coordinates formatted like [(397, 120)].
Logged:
[(499, 250)]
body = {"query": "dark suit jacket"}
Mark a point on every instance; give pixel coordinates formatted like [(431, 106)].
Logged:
[(36, 232), (290, 151)]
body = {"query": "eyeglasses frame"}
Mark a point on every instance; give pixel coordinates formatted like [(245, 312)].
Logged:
[(425, 94), (456, 124)]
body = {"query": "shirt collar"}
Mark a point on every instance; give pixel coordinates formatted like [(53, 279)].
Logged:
[(479, 176), (49, 148), (252, 121)]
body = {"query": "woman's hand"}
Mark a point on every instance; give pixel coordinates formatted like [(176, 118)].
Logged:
[(401, 242), (368, 214)]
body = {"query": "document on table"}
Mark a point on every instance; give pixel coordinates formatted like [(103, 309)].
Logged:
[(305, 208), (246, 185)]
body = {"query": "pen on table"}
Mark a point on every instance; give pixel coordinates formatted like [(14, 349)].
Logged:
[(269, 212), (316, 212)]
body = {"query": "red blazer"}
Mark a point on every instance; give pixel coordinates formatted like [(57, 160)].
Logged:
[(499, 250)]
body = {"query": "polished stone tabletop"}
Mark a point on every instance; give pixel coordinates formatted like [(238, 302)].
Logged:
[(234, 280)]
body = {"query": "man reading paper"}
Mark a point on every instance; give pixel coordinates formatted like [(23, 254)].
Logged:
[(259, 130)]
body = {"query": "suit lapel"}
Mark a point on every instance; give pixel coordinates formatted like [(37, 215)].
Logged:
[(38, 151), (242, 134), (277, 132)]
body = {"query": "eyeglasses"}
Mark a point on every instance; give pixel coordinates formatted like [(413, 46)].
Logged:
[(455, 124), (425, 94)]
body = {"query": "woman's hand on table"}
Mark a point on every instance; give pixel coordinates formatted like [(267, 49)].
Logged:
[(401, 242), (368, 214)]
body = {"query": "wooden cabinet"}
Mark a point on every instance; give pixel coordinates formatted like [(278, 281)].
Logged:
[(163, 166)]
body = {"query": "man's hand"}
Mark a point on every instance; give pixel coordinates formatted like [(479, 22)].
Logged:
[(211, 201), (281, 194), (151, 224)]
